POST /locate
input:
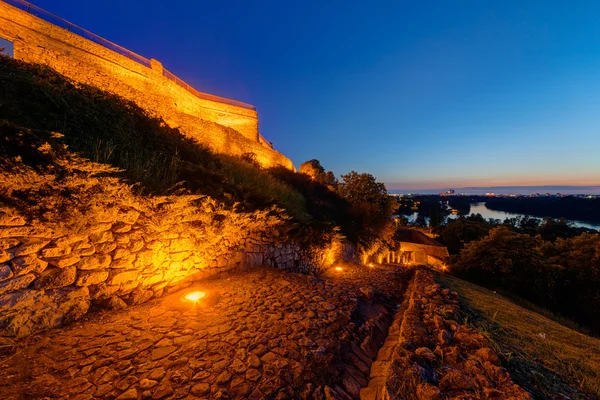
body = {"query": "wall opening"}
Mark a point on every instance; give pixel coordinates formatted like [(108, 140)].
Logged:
[(7, 48)]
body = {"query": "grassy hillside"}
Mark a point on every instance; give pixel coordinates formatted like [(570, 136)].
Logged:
[(106, 128), (543, 356)]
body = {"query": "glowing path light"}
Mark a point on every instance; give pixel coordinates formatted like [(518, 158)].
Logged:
[(193, 297)]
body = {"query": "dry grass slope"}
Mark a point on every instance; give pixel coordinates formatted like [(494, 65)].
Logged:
[(543, 356)]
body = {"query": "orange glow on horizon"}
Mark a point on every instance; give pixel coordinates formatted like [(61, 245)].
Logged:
[(564, 180)]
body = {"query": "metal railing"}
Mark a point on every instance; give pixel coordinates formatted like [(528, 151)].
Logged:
[(206, 96), (63, 23), (264, 139)]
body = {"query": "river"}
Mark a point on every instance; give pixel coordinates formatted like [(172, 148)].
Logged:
[(480, 208)]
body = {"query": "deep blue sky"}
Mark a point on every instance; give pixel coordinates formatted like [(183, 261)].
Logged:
[(418, 93)]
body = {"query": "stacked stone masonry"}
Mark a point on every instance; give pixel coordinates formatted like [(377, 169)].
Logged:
[(83, 238), (428, 354), (223, 127), (124, 256)]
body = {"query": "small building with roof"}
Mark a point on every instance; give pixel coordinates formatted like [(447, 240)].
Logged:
[(418, 248)]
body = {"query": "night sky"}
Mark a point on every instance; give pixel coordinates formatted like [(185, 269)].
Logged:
[(422, 94)]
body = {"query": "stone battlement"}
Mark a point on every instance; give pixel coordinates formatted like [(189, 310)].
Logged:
[(226, 126)]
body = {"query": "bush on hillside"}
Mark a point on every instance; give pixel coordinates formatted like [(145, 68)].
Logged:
[(315, 171), (563, 276)]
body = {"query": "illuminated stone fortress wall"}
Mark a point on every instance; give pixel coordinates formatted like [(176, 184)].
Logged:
[(224, 125)]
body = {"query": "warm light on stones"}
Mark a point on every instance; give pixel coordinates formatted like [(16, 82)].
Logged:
[(193, 297), (371, 265)]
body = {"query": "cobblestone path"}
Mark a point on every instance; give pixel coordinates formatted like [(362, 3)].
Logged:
[(270, 334)]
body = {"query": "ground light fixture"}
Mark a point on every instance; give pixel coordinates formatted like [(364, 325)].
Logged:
[(193, 297), (339, 268)]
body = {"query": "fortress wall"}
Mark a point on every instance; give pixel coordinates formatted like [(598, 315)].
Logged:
[(82, 60)]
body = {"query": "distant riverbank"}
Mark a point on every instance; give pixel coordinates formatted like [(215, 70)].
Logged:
[(481, 208), (577, 209), (486, 212), (516, 190)]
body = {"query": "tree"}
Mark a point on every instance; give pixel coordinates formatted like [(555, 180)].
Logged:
[(312, 168), (553, 229), (576, 292), (316, 172), (435, 217), (508, 260), (456, 234), (372, 207), (364, 187), (462, 204), (524, 224), (562, 276)]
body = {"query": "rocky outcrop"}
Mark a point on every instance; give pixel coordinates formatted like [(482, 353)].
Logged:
[(436, 357)]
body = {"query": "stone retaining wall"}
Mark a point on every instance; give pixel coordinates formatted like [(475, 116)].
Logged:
[(435, 357), (74, 236), (223, 127), (126, 255)]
